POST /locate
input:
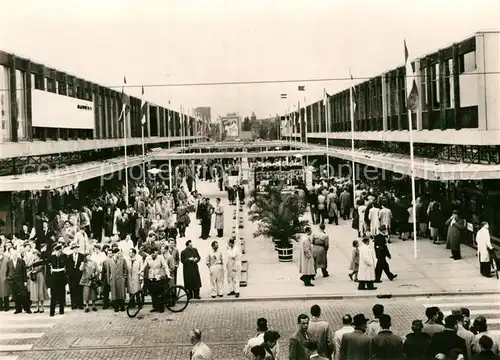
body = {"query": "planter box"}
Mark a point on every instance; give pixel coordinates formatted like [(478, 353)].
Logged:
[(285, 255)]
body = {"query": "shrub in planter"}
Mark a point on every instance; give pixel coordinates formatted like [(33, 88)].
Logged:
[(277, 215)]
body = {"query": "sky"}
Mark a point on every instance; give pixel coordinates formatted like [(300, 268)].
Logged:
[(213, 41)]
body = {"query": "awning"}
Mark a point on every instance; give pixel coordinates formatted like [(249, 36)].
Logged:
[(425, 168)]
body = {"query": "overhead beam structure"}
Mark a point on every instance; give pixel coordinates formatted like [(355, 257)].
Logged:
[(231, 155)]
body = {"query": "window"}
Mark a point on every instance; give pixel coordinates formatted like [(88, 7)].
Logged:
[(448, 83), (467, 62), (63, 89), (423, 89), (435, 86)]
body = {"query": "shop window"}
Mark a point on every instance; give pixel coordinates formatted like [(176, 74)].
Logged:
[(435, 86), (423, 89), (447, 83), (467, 62)]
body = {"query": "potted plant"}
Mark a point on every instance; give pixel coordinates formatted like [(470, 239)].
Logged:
[(278, 216)]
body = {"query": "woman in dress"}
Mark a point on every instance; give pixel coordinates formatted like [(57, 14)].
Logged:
[(37, 286), (88, 281)]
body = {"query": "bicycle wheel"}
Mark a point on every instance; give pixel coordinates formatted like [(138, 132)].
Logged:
[(176, 298), (133, 309)]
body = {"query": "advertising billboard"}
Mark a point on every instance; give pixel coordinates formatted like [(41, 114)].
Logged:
[(51, 110), (231, 126)]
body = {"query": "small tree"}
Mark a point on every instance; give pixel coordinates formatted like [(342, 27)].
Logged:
[(278, 215)]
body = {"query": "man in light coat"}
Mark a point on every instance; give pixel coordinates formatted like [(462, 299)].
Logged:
[(483, 249), (135, 268), (306, 259), (219, 218), (233, 268), (366, 272)]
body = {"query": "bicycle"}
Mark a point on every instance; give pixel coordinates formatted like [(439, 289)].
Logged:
[(175, 299), (494, 261)]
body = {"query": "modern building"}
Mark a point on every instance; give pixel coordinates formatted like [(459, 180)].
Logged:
[(456, 129), (59, 131)]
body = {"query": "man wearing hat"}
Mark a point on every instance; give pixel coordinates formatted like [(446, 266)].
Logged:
[(382, 253), (57, 263), (75, 259), (356, 345)]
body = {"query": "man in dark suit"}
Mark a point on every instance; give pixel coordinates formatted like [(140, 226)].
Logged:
[(444, 342), (74, 276), (297, 348), (58, 263), (17, 277), (382, 253), (385, 345), (44, 236), (321, 333), (416, 343), (356, 345)]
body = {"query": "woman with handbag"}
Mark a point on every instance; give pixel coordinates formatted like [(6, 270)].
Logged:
[(89, 281), (37, 286)]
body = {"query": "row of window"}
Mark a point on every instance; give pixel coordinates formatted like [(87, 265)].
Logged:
[(438, 91)]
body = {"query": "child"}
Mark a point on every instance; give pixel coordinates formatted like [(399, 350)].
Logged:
[(354, 261)]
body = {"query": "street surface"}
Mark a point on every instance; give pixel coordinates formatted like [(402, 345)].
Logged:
[(225, 326)]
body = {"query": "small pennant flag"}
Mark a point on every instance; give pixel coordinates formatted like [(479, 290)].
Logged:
[(283, 96), (354, 94), (411, 85), (144, 107), (302, 88), (124, 104)]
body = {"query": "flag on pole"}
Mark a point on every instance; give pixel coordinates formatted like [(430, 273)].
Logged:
[(144, 108), (411, 84), (354, 96), (124, 104), (325, 97), (301, 88), (283, 96)]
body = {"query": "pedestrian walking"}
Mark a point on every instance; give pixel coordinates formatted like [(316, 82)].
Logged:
[(456, 227), (354, 267), (306, 260), (382, 254), (320, 248), (366, 274)]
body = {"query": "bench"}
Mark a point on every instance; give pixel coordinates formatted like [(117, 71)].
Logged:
[(244, 274)]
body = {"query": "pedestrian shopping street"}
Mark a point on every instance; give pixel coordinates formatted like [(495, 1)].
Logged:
[(433, 271)]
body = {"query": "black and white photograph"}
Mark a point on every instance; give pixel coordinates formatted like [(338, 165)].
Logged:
[(261, 180)]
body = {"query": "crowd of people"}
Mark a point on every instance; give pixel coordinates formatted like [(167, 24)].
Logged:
[(107, 247), (454, 337), (378, 215)]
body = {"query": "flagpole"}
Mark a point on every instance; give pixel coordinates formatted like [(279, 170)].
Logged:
[(413, 192), (327, 117), (307, 141), (124, 119), (352, 145), (410, 71)]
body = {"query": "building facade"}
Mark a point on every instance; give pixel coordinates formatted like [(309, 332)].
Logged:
[(455, 130)]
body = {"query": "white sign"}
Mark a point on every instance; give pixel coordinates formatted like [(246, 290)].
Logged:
[(59, 111)]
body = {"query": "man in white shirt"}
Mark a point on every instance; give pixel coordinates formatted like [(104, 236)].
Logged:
[(337, 337), (259, 340)]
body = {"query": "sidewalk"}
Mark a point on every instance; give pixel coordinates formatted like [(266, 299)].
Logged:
[(433, 272)]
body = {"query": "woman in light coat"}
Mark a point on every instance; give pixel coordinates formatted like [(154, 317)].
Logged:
[(219, 218), (483, 249), (37, 286), (366, 272), (306, 259)]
